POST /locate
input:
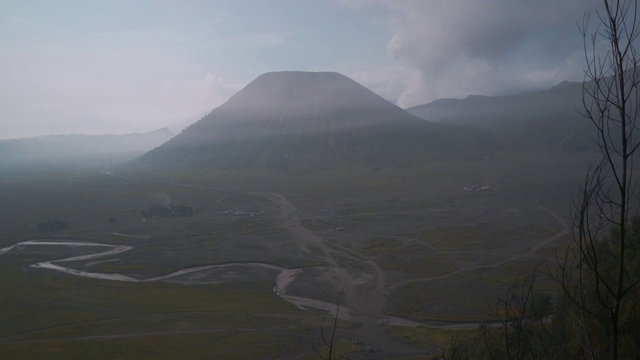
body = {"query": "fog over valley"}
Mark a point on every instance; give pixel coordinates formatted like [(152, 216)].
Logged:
[(339, 179)]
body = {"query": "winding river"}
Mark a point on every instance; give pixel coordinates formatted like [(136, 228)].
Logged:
[(284, 278)]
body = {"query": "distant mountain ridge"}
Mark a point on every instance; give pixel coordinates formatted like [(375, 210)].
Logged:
[(543, 119), (79, 146), (306, 121)]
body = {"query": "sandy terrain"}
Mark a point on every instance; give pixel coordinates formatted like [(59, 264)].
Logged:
[(357, 263)]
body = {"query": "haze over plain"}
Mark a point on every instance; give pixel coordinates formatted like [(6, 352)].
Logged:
[(121, 67), (400, 164)]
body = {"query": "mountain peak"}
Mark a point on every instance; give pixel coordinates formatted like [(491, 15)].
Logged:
[(299, 92), (305, 120), (293, 73)]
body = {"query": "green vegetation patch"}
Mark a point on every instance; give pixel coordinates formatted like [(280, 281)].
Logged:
[(456, 238), (218, 344), (52, 225), (56, 316), (426, 337), (449, 299)]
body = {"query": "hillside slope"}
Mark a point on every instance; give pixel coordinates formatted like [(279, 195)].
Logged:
[(77, 146), (544, 119), (305, 121)]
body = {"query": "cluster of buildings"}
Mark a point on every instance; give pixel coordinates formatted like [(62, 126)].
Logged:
[(243, 213), (475, 188)]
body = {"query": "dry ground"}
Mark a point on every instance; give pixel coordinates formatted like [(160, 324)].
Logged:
[(433, 245)]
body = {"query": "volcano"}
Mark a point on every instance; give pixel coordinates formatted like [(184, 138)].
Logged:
[(310, 121)]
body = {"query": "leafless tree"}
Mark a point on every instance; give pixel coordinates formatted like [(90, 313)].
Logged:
[(327, 341), (458, 349), (596, 314), (522, 329), (600, 271)]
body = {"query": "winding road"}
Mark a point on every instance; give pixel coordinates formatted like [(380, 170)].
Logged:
[(537, 246)]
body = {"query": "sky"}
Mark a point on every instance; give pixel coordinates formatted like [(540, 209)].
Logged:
[(121, 66)]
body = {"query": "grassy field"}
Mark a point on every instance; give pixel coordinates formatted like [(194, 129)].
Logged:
[(419, 225), (52, 315)]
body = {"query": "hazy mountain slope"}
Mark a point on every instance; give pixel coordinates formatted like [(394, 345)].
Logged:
[(311, 121), (177, 127), (76, 146), (541, 119)]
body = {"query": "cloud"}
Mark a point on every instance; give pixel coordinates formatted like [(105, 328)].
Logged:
[(96, 85), (270, 39), (386, 81), (457, 48), (155, 65)]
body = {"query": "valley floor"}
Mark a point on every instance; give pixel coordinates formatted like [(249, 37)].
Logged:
[(264, 259)]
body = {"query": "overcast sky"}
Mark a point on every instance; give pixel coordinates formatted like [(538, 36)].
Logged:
[(137, 65)]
